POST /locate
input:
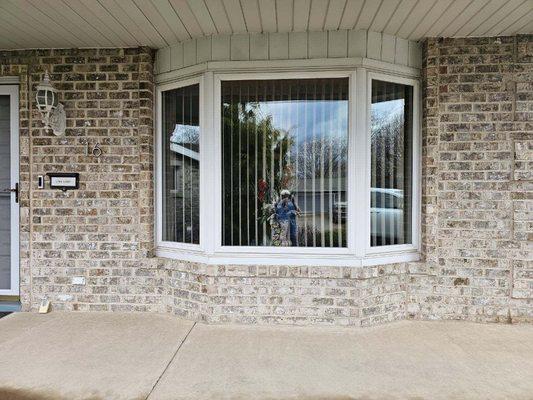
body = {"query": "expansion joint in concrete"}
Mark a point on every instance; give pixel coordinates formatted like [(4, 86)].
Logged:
[(169, 362)]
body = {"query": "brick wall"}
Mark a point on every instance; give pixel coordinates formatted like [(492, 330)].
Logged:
[(478, 153), (476, 186), (82, 249)]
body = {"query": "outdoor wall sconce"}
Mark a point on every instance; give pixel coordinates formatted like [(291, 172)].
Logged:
[(51, 109)]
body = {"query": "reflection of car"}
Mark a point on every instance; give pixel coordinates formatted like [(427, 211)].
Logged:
[(386, 215), (339, 210)]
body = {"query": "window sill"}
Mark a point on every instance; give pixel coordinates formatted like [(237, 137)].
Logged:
[(250, 258)]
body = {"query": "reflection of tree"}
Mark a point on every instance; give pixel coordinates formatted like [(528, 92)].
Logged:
[(322, 157), (254, 163), (185, 134), (387, 141)]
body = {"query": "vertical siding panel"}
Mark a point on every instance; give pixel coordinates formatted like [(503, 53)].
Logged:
[(318, 44), (162, 60), (259, 46), (373, 49), (240, 47), (189, 53), (176, 56), (357, 43), (337, 44), (388, 48), (415, 54), (203, 49), (402, 51), (279, 46), (297, 45), (220, 48)]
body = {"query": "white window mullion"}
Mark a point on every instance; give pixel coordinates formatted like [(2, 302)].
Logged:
[(358, 172), (211, 165)]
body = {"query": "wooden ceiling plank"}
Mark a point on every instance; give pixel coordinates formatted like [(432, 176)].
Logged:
[(284, 9), (142, 23), (267, 11), (399, 16), (203, 16), (317, 15), (415, 17), (31, 16), (182, 9), (370, 8), (334, 15), (19, 35), (457, 7), (125, 21), (517, 26), (351, 14), (468, 13), (473, 23), (24, 32), (63, 14), (301, 16), (166, 11), (235, 16), (387, 9), (151, 13), (250, 10), (7, 44), (510, 19), (104, 22), (430, 19), (526, 29), (495, 17)]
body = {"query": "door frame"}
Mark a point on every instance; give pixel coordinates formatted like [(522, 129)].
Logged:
[(13, 92)]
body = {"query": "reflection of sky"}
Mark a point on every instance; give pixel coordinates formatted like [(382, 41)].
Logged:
[(307, 118), (389, 108)]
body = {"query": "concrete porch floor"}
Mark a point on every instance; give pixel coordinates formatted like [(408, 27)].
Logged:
[(149, 356)]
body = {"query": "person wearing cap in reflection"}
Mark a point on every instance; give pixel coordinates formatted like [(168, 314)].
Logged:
[(286, 213)]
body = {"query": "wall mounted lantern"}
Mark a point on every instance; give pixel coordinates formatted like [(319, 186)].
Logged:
[(51, 109)]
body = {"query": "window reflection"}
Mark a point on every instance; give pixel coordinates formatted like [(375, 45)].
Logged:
[(391, 163), (181, 166), (284, 162)]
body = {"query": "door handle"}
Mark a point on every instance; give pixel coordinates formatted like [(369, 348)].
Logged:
[(14, 190)]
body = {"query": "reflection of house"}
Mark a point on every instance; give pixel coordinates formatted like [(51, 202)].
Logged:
[(182, 178), (184, 157), (319, 194)]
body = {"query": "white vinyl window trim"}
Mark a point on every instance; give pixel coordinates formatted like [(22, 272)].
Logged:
[(158, 165), (358, 251)]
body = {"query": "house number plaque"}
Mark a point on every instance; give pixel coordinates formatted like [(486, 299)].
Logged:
[(64, 181)]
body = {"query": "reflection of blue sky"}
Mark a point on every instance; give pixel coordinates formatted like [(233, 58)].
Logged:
[(389, 108), (306, 119)]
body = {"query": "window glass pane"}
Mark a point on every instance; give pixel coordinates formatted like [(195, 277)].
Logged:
[(181, 165), (284, 162), (391, 163)]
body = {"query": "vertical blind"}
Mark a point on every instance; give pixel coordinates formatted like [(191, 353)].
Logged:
[(391, 163), (181, 165), (282, 136)]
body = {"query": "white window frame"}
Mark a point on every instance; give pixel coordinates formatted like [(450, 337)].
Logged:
[(416, 168), (158, 165), (358, 251)]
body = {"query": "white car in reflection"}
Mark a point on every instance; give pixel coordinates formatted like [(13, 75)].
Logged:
[(386, 216)]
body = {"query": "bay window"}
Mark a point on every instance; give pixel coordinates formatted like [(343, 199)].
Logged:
[(292, 168)]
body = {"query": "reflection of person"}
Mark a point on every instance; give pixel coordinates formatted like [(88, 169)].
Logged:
[(286, 212)]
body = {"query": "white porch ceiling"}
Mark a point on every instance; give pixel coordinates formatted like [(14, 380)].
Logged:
[(161, 23)]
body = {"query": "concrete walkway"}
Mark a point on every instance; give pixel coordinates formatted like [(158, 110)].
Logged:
[(148, 356)]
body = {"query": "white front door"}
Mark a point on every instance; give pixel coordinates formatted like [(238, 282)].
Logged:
[(9, 182)]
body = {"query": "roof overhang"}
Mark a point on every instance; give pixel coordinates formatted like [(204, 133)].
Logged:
[(162, 23)]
